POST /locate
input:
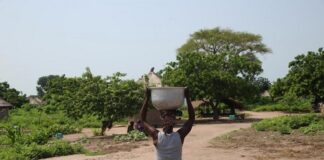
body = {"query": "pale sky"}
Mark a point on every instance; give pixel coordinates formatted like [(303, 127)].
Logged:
[(43, 37)]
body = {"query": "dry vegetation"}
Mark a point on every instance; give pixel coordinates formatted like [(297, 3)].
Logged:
[(272, 145), (107, 145)]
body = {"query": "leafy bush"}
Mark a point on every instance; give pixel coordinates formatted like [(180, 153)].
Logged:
[(286, 105), (96, 131), (64, 128), (286, 124), (313, 128), (35, 151), (28, 131), (40, 136), (88, 121), (131, 136)]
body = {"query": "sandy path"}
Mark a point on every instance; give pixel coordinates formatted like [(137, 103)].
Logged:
[(196, 146)]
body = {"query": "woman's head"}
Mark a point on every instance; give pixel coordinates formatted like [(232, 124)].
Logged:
[(168, 118)]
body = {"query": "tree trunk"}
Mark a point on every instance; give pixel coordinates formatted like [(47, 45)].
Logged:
[(315, 105), (215, 111), (105, 125)]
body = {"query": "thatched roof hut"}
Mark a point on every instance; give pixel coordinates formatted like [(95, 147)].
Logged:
[(4, 104), (4, 108)]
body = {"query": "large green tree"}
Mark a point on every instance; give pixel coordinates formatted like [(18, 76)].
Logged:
[(109, 98), (216, 40), (11, 95), (304, 79), (219, 65), (42, 82)]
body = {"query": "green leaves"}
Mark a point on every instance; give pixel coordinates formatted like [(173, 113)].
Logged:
[(110, 98), (11, 95), (217, 40), (304, 79), (218, 63)]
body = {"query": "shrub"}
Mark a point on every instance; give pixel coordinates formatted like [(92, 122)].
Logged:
[(40, 136), (296, 106), (63, 128), (96, 131), (286, 124), (131, 136), (314, 128), (35, 151), (88, 121), (28, 131)]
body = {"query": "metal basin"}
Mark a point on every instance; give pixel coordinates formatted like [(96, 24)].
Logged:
[(165, 98)]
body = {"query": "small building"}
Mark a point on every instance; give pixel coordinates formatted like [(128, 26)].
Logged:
[(4, 109), (35, 100), (151, 79)]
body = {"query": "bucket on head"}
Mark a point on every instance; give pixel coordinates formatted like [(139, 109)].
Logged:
[(167, 98)]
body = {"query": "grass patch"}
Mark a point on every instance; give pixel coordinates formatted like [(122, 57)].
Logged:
[(287, 104), (307, 124), (131, 136)]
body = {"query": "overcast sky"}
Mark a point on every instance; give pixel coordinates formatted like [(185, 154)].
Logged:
[(42, 37)]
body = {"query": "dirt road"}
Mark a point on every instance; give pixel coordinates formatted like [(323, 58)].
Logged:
[(196, 146)]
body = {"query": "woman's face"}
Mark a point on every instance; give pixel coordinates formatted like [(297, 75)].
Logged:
[(168, 119)]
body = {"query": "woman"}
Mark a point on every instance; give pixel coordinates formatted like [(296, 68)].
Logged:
[(168, 144)]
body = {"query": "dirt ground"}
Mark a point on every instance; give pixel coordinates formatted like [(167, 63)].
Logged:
[(272, 145), (197, 145)]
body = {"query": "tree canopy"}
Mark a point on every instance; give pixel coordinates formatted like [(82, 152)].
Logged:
[(216, 40), (42, 82), (109, 98), (304, 79), (217, 64)]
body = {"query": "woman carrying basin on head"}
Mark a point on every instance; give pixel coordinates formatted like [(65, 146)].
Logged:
[(168, 143)]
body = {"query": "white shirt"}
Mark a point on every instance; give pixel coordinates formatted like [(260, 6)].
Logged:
[(169, 146)]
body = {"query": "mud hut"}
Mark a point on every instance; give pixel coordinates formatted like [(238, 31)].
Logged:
[(35, 100), (4, 108)]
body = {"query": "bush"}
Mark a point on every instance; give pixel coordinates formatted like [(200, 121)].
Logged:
[(96, 131), (40, 136), (28, 131), (286, 124), (63, 128), (88, 121), (35, 151), (131, 136), (314, 128), (295, 106)]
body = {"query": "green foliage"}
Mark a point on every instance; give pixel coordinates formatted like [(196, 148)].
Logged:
[(301, 105), (131, 136), (96, 131), (217, 64), (262, 84), (42, 84), (217, 40), (110, 98), (304, 79), (36, 119), (88, 121), (35, 151), (28, 132), (286, 124), (317, 127), (11, 95)]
